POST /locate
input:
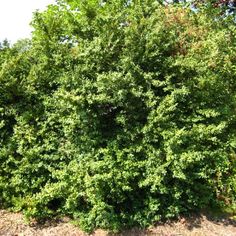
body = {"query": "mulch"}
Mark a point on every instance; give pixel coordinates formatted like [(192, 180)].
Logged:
[(13, 224)]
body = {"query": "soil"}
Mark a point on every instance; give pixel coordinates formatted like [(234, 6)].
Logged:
[(13, 224)]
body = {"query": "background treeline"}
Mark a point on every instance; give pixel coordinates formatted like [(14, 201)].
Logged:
[(119, 113)]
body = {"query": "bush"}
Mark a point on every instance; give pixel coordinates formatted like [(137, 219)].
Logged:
[(118, 114)]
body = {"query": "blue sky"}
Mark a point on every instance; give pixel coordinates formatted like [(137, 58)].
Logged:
[(15, 16)]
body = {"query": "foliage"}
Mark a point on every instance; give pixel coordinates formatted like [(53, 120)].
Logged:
[(118, 113)]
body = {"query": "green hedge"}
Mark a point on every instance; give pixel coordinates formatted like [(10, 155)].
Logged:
[(118, 114)]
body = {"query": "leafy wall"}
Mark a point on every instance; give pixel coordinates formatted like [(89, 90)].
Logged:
[(118, 114)]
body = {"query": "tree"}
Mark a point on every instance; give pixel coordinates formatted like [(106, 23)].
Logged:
[(119, 113)]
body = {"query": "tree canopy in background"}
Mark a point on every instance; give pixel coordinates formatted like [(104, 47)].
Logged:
[(119, 113)]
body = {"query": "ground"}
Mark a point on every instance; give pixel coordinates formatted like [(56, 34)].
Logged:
[(13, 224)]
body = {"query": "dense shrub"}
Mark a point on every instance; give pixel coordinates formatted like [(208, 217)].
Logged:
[(118, 114)]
